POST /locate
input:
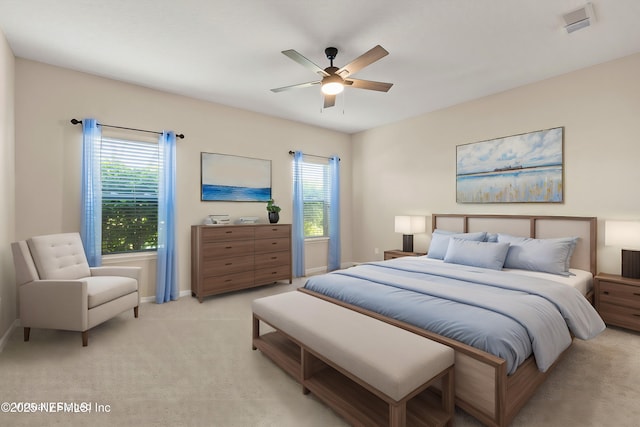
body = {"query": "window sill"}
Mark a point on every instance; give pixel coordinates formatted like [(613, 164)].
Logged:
[(135, 256), (316, 239)]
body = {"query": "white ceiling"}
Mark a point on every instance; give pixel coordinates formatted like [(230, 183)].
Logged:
[(442, 52)]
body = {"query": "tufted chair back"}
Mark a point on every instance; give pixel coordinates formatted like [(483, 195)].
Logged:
[(59, 256)]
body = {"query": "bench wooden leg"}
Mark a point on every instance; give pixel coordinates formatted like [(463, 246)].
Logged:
[(135, 311), (305, 369), (256, 331), (448, 395), (27, 331), (398, 414), (85, 338)]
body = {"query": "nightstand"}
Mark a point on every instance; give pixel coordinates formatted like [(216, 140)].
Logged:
[(617, 299), (397, 253)]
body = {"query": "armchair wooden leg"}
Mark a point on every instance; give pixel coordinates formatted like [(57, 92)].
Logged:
[(27, 331), (135, 312), (85, 338)]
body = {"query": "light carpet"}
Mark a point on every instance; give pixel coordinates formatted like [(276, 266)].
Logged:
[(189, 364)]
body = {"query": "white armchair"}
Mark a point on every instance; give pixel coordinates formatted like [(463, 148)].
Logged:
[(58, 290)]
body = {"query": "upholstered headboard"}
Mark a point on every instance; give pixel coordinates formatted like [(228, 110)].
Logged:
[(540, 227)]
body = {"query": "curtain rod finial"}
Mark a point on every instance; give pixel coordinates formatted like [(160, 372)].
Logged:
[(75, 121)]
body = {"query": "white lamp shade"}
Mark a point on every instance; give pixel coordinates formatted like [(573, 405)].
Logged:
[(410, 224), (624, 234)]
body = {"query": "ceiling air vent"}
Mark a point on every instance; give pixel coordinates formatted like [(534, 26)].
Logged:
[(580, 18)]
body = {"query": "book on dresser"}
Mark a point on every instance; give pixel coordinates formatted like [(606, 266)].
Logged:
[(232, 257)]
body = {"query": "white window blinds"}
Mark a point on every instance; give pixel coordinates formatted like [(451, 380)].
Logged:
[(315, 191), (129, 173)]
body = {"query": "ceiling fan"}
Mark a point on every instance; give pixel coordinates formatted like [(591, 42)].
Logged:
[(334, 79)]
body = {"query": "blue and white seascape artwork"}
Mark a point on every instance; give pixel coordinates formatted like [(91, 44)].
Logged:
[(518, 168), (235, 178)]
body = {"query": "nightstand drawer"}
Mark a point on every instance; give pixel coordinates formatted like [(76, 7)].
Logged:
[(620, 316), (619, 294)]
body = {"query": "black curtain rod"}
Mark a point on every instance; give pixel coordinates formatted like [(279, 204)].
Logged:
[(77, 122), (313, 155)]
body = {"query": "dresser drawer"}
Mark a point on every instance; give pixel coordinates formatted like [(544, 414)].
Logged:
[(224, 266), (268, 232), (619, 294), (620, 316), (213, 251), (232, 257), (273, 245), (224, 232), (269, 275), (273, 259), (217, 284)]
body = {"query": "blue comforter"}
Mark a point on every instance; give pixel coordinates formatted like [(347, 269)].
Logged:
[(503, 313)]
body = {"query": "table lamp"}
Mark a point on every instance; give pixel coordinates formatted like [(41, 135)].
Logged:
[(626, 235), (408, 226)]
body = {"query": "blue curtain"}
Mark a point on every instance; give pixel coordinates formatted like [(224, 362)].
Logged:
[(167, 263), (91, 197), (334, 214), (298, 217)]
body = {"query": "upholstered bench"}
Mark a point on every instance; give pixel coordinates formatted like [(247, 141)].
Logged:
[(366, 370)]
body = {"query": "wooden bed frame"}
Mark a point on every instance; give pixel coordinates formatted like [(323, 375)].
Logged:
[(483, 388)]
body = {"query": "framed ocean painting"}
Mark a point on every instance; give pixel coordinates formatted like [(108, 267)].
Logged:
[(525, 168), (234, 178)]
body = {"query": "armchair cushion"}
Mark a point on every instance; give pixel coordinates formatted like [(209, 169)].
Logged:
[(59, 256), (103, 289)]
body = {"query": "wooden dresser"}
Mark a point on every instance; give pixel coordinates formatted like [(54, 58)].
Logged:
[(231, 257)]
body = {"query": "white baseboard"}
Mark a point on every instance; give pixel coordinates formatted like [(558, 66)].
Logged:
[(323, 269), (153, 298), (5, 337), (314, 271)]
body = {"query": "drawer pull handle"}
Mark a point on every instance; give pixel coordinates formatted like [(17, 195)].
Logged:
[(274, 257), (228, 231), (636, 294), (228, 280), (229, 247), (636, 314), (275, 272), (274, 243), (606, 292), (229, 263)]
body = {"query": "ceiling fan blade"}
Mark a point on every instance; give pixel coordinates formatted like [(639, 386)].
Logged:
[(329, 101), (363, 60), (304, 62), (299, 85), (368, 84)]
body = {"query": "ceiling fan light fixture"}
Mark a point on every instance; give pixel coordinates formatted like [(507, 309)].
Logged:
[(332, 85)]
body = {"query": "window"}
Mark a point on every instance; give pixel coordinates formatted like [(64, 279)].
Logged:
[(316, 197), (129, 173)]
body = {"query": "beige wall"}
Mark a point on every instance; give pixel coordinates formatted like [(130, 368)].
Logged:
[(403, 168), (409, 167), (7, 195), (48, 152)]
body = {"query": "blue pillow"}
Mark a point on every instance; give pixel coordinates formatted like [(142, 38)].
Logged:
[(546, 255), (491, 237), (476, 254), (440, 241)]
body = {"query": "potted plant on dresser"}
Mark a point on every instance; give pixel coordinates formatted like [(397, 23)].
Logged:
[(274, 215)]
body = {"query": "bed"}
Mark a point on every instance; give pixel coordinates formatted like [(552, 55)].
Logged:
[(492, 382)]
